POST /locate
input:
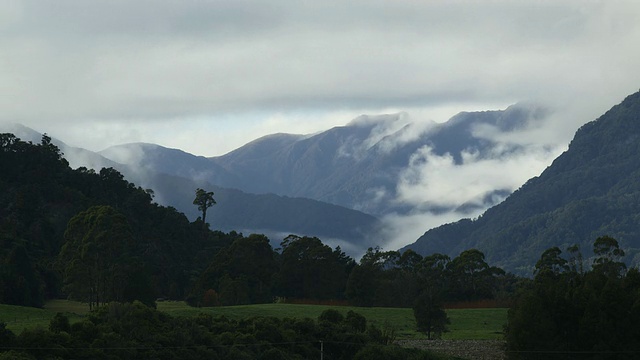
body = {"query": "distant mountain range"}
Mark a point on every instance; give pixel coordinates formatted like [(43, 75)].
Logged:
[(592, 189), (325, 184), (355, 166)]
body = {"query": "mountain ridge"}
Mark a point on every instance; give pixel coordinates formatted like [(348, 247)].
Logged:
[(590, 190)]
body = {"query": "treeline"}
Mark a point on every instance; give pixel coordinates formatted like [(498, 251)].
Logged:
[(250, 271), (95, 237), (44, 204), (135, 331), (567, 311)]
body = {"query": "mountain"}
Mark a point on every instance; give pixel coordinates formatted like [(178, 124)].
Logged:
[(590, 190), (357, 166), (76, 157), (159, 159), (273, 215)]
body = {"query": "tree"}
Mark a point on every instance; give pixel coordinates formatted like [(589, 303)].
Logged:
[(204, 200), (472, 276), (20, 283), (430, 316), (240, 273), (608, 254), (567, 311), (369, 282), (310, 269), (433, 278), (95, 258), (551, 262)]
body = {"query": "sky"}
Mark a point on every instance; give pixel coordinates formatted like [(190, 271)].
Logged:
[(210, 76)]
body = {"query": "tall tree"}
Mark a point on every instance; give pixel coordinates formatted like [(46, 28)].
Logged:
[(240, 273), (310, 269), (95, 258), (204, 200), (428, 308), (608, 254)]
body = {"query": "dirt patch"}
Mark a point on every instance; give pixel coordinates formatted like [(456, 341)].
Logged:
[(466, 349)]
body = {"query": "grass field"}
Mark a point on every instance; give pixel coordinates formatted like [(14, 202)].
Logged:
[(18, 318), (476, 324)]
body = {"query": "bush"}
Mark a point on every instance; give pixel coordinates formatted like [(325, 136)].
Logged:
[(332, 316)]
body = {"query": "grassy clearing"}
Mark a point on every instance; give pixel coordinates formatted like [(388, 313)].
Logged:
[(468, 324), (476, 324), (401, 320), (19, 318)]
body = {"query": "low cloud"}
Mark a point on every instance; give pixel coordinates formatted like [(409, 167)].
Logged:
[(440, 190), (401, 230), (437, 181)]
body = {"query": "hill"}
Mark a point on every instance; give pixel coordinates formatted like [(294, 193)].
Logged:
[(359, 165), (590, 190), (174, 175)]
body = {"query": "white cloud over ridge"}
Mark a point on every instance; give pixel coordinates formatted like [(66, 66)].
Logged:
[(439, 189)]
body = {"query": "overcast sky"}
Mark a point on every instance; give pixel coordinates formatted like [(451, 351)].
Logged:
[(209, 76)]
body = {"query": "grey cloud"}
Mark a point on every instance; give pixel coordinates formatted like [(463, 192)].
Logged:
[(146, 60)]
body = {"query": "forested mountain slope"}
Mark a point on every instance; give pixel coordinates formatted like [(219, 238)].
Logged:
[(276, 216), (592, 189)]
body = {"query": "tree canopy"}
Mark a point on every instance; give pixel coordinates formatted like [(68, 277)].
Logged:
[(204, 200), (567, 312)]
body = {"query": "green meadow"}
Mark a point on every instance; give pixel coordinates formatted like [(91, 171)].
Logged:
[(476, 324)]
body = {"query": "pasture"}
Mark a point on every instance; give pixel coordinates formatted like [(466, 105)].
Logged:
[(466, 324)]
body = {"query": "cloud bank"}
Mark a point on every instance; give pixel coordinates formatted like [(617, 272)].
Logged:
[(438, 189), (141, 70)]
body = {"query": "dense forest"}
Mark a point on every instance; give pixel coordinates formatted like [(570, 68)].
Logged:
[(578, 309), (95, 237)]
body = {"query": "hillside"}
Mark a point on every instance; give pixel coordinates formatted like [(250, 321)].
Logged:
[(592, 189), (358, 165), (269, 214), (275, 216)]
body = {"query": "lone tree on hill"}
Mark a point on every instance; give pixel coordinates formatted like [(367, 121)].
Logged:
[(204, 200)]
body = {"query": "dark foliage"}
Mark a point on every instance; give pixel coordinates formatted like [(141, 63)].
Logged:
[(569, 313), (39, 196), (391, 279), (135, 331)]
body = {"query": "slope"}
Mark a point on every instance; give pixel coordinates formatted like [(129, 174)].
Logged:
[(359, 165), (590, 190)]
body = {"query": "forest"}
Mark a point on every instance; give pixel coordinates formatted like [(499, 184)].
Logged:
[(94, 237), (576, 309)]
